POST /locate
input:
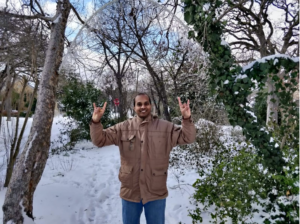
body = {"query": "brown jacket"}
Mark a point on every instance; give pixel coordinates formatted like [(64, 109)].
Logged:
[(144, 148)]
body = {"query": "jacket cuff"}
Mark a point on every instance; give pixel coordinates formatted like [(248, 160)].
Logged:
[(93, 122), (187, 119)]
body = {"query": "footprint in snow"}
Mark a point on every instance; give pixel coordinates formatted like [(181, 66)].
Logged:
[(91, 212), (176, 207), (77, 217)]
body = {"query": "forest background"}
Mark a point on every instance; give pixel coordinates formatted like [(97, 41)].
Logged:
[(237, 61)]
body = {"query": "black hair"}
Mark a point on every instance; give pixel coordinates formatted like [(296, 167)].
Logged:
[(141, 94)]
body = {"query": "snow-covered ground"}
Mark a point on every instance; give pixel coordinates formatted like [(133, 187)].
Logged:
[(83, 187)]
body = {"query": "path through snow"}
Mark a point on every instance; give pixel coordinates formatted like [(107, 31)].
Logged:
[(83, 188)]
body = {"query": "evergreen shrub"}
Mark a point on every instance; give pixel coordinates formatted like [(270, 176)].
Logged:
[(77, 99)]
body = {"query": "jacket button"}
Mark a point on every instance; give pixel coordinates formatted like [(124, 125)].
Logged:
[(153, 174), (142, 141), (141, 169)]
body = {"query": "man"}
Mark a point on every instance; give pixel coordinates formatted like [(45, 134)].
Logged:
[(145, 143)]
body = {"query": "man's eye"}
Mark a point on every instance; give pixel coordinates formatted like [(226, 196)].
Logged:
[(139, 104)]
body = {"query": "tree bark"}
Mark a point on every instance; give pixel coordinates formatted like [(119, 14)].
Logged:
[(10, 160), (3, 75), (15, 148), (31, 164), (272, 104), (7, 98), (122, 98), (156, 104)]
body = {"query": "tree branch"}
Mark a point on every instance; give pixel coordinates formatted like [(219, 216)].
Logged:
[(38, 16)]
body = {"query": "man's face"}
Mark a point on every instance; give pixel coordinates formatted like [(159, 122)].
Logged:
[(142, 106)]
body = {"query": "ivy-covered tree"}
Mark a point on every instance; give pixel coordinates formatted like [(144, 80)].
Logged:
[(277, 146), (253, 31)]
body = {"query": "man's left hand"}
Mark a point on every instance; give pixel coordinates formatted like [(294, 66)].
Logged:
[(184, 108)]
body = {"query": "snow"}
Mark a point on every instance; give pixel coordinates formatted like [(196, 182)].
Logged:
[(241, 76), (263, 60), (57, 19), (83, 187), (268, 58), (224, 43), (206, 7), (252, 114)]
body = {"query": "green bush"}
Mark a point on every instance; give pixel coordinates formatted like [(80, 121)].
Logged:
[(238, 181), (77, 99), (233, 185)]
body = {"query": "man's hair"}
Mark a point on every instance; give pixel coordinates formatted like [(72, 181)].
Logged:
[(141, 94)]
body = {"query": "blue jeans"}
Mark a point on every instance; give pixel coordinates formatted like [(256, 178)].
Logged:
[(154, 211)]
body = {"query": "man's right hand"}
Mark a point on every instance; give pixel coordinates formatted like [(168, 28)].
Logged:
[(98, 112)]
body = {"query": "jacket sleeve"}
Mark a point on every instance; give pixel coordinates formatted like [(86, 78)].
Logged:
[(185, 134), (102, 137)]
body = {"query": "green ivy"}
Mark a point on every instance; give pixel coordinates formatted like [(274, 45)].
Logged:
[(233, 185), (232, 84), (225, 80)]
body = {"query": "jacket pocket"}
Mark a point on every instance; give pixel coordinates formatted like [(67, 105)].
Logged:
[(125, 176), (128, 146), (159, 181)]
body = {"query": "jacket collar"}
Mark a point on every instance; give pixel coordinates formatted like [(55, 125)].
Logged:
[(149, 118)]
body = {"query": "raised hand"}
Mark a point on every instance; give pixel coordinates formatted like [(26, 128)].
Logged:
[(184, 108), (98, 112)]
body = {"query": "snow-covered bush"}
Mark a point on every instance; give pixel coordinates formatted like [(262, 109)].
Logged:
[(208, 141)]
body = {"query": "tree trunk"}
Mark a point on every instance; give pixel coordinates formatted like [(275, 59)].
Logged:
[(164, 99), (156, 105), (7, 96), (10, 160), (122, 100), (2, 79), (31, 164), (272, 104), (158, 81), (15, 148), (8, 105), (161, 90)]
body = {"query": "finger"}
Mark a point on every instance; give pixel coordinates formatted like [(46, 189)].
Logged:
[(104, 106), (94, 106), (188, 103), (179, 102)]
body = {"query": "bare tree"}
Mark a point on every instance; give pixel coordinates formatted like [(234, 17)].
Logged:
[(26, 54), (31, 164), (116, 56), (141, 32)]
